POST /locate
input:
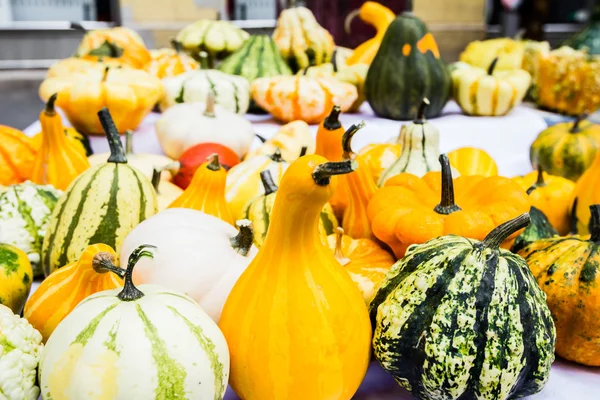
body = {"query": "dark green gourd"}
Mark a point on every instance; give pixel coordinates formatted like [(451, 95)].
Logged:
[(589, 37)]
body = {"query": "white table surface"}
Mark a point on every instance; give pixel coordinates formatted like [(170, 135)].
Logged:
[(507, 139)]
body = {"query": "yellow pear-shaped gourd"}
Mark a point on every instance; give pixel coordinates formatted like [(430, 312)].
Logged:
[(296, 324)]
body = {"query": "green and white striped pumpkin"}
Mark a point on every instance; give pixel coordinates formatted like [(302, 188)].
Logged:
[(135, 343), (102, 205), (457, 318)]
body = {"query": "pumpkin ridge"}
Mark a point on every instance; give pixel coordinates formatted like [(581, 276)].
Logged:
[(105, 230)]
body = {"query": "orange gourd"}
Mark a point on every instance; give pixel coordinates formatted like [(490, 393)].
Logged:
[(586, 194), (379, 157), (295, 322), (61, 158), (166, 63), (473, 161), (380, 17), (17, 154), (62, 290)]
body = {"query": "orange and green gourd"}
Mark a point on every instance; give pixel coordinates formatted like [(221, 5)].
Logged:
[(585, 194)]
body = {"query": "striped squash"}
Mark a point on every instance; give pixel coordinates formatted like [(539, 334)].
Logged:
[(459, 318), (17, 155), (135, 343), (16, 276), (101, 206)]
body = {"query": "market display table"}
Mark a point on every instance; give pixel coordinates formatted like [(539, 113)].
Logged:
[(507, 139)]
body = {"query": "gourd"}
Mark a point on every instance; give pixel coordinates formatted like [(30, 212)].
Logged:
[(566, 149), (76, 65), (130, 94), (491, 92), (206, 192), (407, 68), (17, 155), (165, 63), (539, 228), (24, 216), (61, 158), (379, 157), (566, 269), (101, 206), (585, 195), (147, 330), (197, 254), (473, 161), (188, 124), (195, 156), (268, 303), (290, 139), (166, 192), (260, 211), (119, 42), (589, 37), (62, 290), (80, 139), (301, 40), (290, 98), (481, 53), (467, 312), (16, 276), (363, 259), (411, 210)]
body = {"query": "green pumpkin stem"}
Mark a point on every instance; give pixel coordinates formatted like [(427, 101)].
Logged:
[(334, 60), (128, 142), (107, 49), (500, 233), (209, 111), (447, 205), (421, 112), (259, 137), (332, 121), (117, 153), (276, 156), (594, 226), (130, 292), (540, 180), (303, 151), (213, 164), (106, 71), (156, 173), (267, 181), (176, 45), (492, 66), (204, 59), (323, 172), (104, 262), (242, 242), (578, 119), (49, 108), (347, 140)]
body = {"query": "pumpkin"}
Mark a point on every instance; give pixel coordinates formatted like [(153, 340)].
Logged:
[(489, 93), (24, 215), (407, 68), (130, 95), (566, 269), (467, 312), (408, 210), (116, 334), (75, 65), (290, 98), (61, 158), (244, 183), (197, 254), (268, 303), (62, 290), (15, 277), (585, 194), (17, 156), (589, 37), (290, 139), (473, 161), (566, 149), (195, 156), (380, 156), (166, 192), (481, 54), (101, 206), (301, 40), (260, 211), (119, 42), (165, 63)]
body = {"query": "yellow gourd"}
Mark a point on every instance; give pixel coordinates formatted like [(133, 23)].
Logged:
[(586, 194), (473, 161), (296, 324), (380, 156)]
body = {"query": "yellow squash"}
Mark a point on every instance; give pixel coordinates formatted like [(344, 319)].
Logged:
[(120, 43), (586, 194), (472, 161), (16, 276)]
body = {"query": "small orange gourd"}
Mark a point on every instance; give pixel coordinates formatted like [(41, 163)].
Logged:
[(586, 194), (295, 322), (61, 158), (17, 154), (473, 161)]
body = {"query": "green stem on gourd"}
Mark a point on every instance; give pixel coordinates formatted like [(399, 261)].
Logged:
[(332, 121), (213, 164), (492, 66), (104, 262), (323, 172), (303, 151), (421, 112), (128, 142), (578, 119), (117, 153), (130, 292), (348, 154), (204, 60), (156, 173), (499, 234), (176, 45), (242, 242), (259, 137), (594, 226), (107, 49), (334, 60), (49, 108), (540, 180), (276, 156), (105, 75), (209, 111), (267, 181), (447, 205)]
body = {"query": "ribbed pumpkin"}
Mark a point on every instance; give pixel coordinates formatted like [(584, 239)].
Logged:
[(585, 194), (379, 157), (293, 140), (62, 290), (458, 318), (295, 283), (473, 161), (61, 158), (76, 65), (121, 43), (165, 63), (16, 276), (101, 206), (17, 155)]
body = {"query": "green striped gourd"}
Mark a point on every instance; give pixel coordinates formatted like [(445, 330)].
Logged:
[(135, 343), (102, 205), (458, 318)]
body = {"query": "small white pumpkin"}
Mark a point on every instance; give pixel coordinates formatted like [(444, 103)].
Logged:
[(197, 254), (135, 343)]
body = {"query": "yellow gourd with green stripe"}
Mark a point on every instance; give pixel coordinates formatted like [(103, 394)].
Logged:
[(15, 277)]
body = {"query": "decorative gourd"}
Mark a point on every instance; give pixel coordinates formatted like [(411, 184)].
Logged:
[(17, 155), (75, 65), (195, 156), (62, 290), (244, 183), (585, 194), (80, 139), (197, 254), (539, 228), (301, 40), (459, 311), (295, 282), (118, 334), (260, 211), (379, 157), (166, 192), (165, 63), (24, 215), (408, 210), (589, 37), (491, 92), (290, 139), (566, 149), (407, 68), (101, 206), (473, 161), (16, 276), (290, 98), (551, 195), (481, 54), (534, 51), (363, 259), (121, 43), (130, 94), (566, 268), (61, 158)]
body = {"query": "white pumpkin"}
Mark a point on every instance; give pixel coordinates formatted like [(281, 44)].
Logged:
[(194, 255), (135, 343)]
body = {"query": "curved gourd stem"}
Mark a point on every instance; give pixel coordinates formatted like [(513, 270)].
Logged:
[(128, 142), (130, 292), (242, 242), (49, 109), (334, 60), (156, 173), (303, 151), (447, 205), (276, 156), (213, 164), (106, 71), (421, 112), (348, 21), (332, 121), (117, 153), (259, 137), (492, 66), (268, 184), (578, 119), (104, 262), (500, 233), (323, 172), (338, 252), (348, 154), (540, 180), (204, 60), (594, 226), (176, 45), (210, 105)]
